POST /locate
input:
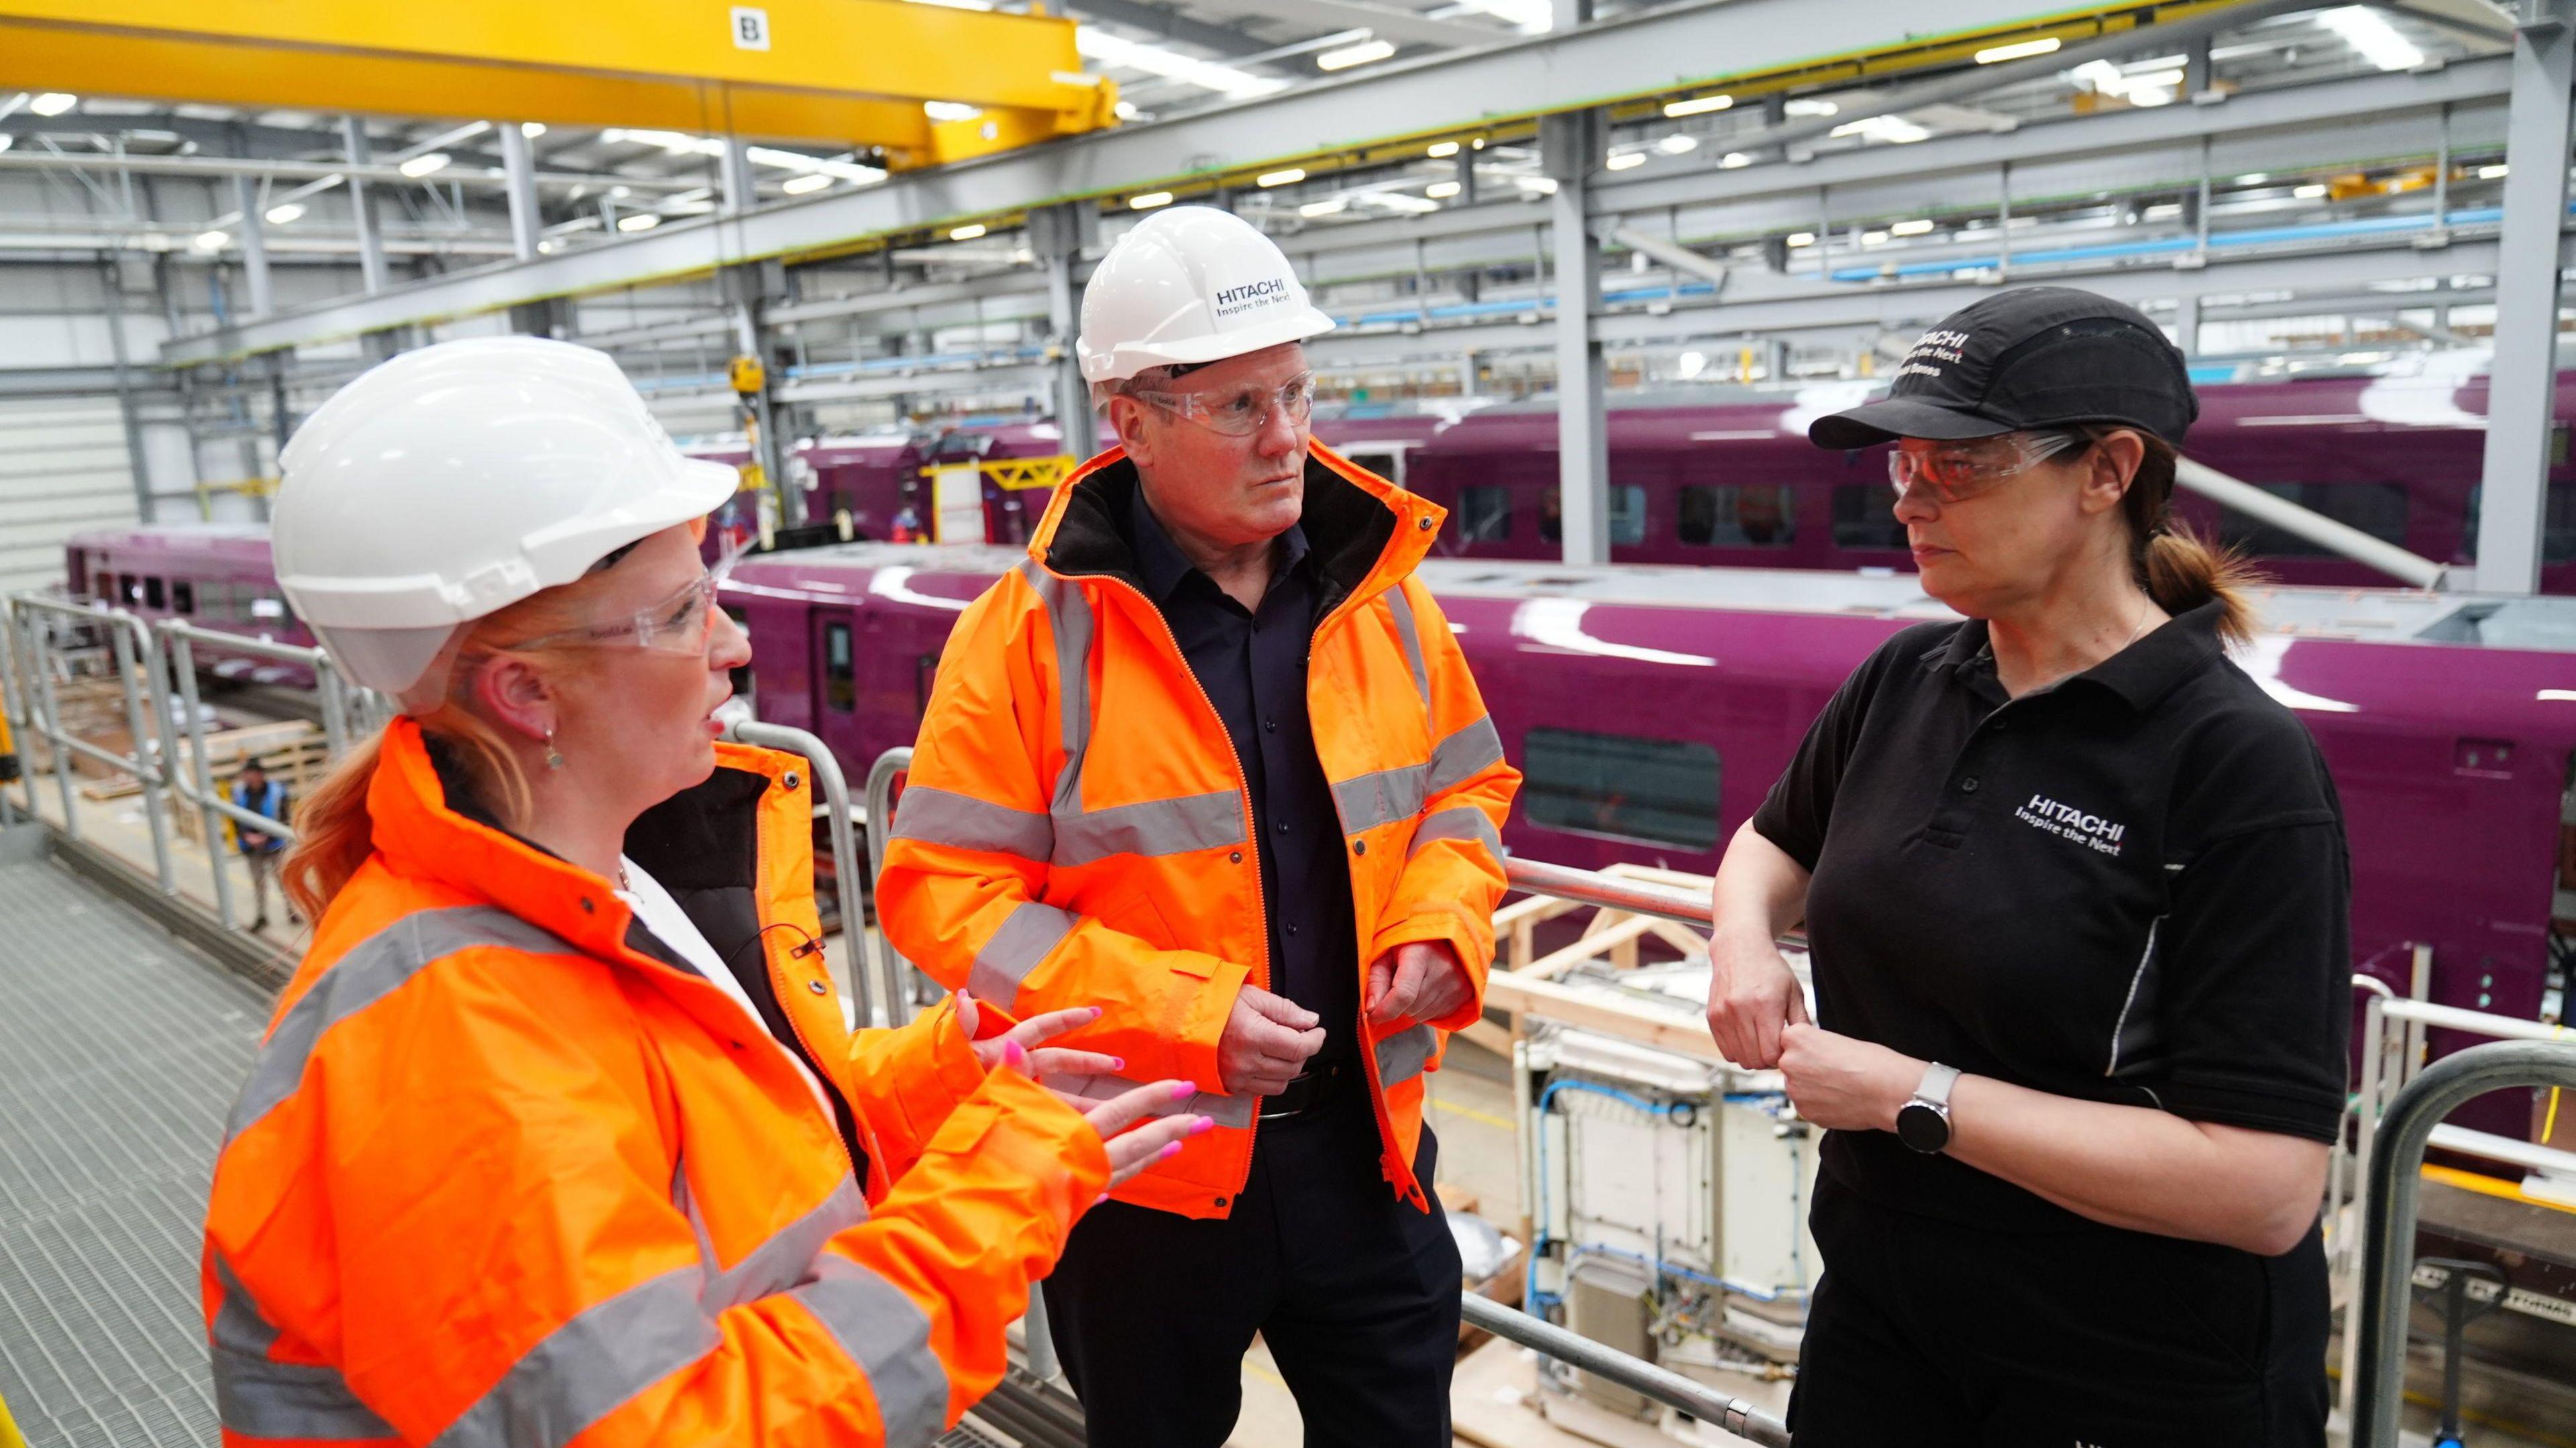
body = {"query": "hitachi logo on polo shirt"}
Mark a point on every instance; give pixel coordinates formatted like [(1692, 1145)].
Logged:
[(1250, 295), (2068, 822)]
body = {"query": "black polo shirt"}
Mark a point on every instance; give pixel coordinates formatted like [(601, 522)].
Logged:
[(1253, 665), (2130, 886)]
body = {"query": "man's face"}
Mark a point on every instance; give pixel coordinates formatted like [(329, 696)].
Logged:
[(1224, 489)]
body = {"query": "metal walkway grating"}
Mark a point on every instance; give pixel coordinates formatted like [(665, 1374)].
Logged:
[(119, 1054)]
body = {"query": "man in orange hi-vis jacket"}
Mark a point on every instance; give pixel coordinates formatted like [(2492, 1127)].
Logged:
[(1211, 761)]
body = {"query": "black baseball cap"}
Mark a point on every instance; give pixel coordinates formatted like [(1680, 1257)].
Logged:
[(2031, 357)]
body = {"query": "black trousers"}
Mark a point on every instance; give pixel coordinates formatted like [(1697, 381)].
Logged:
[(1356, 1294), (1925, 1332)]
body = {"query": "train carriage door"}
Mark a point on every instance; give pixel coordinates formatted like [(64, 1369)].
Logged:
[(836, 673)]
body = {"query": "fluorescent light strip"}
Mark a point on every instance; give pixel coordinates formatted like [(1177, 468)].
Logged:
[(2018, 50)]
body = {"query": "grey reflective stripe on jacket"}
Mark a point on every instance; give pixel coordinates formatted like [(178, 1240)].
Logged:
[(259, 1397), (1222, 1109), (371, 970), (1384, 796), (604, 1355)]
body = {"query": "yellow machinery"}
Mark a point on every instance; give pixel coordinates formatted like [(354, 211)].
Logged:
[(848, 73)]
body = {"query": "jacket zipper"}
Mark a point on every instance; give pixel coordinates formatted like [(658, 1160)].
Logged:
[(1251, 839)]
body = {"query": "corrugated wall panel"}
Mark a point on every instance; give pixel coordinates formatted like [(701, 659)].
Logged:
[(63, 468)]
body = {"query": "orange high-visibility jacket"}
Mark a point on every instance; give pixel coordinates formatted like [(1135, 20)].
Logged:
[(1076, 827), (508, 1172)]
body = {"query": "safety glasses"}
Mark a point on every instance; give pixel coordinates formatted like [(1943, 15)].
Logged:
[(675, 625), (1958, 471), (1242, 411)]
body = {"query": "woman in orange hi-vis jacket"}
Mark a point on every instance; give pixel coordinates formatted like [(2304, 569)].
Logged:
[(560, 1135)]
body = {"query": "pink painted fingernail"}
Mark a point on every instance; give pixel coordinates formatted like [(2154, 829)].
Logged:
[(1169, 1151), (1203, 1126), (1183, 1091), (1117, 1063), (1097, 1013), (1096, 1201), (1015, 1056)]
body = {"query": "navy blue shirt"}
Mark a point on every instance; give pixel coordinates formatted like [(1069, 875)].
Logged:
[(1253, 665)]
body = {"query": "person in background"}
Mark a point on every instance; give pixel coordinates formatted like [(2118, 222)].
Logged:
[(2077, 896), (253, 790), (1211, 758), (560, 1133)]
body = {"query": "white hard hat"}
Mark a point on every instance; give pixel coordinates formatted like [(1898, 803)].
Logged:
[(455, 480), (1190, 284)]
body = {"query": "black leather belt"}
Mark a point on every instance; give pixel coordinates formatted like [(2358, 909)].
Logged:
[(1318, 1086)]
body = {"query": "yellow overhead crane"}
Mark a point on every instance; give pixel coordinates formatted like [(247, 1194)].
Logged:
[(844, 73)]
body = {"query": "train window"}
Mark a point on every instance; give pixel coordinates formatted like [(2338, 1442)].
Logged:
[(152, 597), (740, 678), (840, 674), (1659, 791), (1484, 513), (2378, 509), (1738, 517), (1627, 514), (1387, 465), (128, 590), (1865, 517), (183, 595)]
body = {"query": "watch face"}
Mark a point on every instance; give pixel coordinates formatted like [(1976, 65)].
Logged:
[(1922, 1128)]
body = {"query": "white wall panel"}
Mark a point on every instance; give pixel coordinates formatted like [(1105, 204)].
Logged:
[(63, 468)]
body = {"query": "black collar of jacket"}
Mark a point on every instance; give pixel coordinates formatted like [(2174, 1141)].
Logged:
[(1347, 530)]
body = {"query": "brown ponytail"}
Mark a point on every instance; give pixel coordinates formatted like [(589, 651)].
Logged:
[(2177, 567), (335, 833)]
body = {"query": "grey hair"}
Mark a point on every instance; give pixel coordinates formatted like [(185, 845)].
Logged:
[(1152, 379)]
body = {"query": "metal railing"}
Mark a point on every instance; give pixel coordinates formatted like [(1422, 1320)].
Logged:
[(197, 787), (34, 622), (2388, 1210), (899, 972), (850, 875), (1662, 1384)]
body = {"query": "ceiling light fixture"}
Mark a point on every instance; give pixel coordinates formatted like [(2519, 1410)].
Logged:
[(1329, 206), (1677, 144), (2492, 173), (1100, 46), (1536, 185), (950, 110), (1733, 159), (1442, 150), (213, 240), (285, 212), (532, 129), (2018, 50), (1442, 190), (1351, 55), (1810, 106), (1149, 200), (1697, 106), (1802, 238), (1626, 161), (1280, 178), (2309, 192), (802, 185), (1916, 227), (640, 221), (53, 103), (419, 166), (2369, 32), (966, 233), (1404, 201)]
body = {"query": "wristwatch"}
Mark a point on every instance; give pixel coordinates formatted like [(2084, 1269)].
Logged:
[(1923, 1123)]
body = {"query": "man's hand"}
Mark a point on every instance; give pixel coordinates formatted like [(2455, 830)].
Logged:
[(1421, 981), (1266, 1043)]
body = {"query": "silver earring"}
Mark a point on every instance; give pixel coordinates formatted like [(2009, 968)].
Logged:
[(554, 760)]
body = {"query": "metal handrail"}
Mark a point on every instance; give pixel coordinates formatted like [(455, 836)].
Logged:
[(1662, 1384), (2389, 1209), (132, 640), (889, 767), (1590, 887), (179, 640), (845, 851)]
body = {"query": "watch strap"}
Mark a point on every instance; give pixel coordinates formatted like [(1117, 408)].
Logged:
[(1937, 1081)]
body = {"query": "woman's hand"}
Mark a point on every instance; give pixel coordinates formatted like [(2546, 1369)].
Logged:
[(1159, 1139), (1051, 1061), (1752, 998), (1842, 1083)]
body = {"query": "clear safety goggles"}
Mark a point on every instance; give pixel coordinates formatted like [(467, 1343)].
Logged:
[(1242, 411), (675, 625), (1958, 471)]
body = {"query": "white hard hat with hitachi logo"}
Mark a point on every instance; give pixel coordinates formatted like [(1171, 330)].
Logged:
[(1190, 285)]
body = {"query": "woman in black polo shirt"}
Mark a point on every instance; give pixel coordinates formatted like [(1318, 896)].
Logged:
[(2077, 894)]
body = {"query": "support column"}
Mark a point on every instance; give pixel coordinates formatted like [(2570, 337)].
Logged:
[(111, 280), (751, 287), (2196, 72), (734, 164), (362, 202), (1056, 234), (2520, 395), (2187, 325), (254, 243), (519, 180), (1571, 145)]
